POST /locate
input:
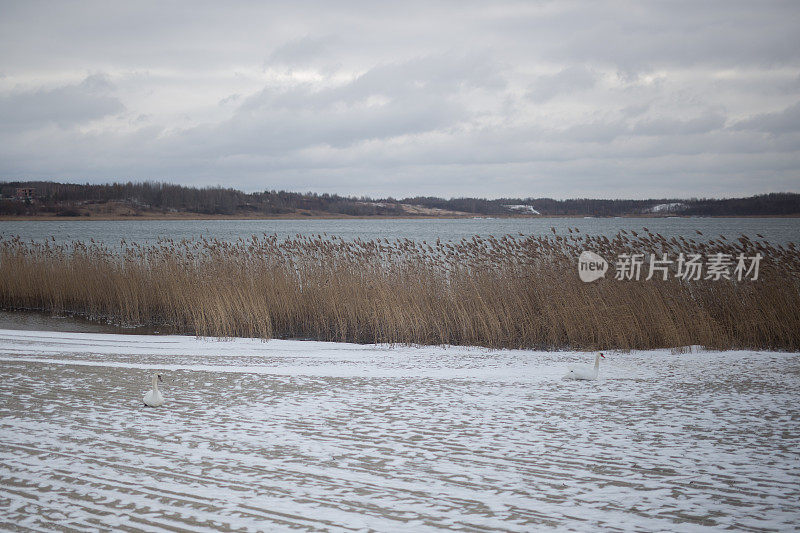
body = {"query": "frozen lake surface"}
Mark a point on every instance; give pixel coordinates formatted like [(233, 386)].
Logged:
[(322, 436)]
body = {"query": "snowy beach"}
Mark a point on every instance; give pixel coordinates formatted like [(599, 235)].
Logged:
[(327, 436)]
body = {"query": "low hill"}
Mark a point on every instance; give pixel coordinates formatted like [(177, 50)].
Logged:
[(164, 200)]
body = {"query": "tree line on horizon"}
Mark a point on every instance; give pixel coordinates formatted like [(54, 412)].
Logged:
[(50, 197)]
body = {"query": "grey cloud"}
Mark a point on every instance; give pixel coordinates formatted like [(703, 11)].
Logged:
[(422, 77), (635, 110), (301, 52), (561, 166), (569, 80), (671, 126), (598, 132), (425, 78), (437, 73), (269, 130), (645, 37), (441, 99), (417, 98), (66, 105), (786, 121), (230, 99), (606, 131)]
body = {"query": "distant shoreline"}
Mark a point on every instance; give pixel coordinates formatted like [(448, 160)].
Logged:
[(48, 200), (295, 216)]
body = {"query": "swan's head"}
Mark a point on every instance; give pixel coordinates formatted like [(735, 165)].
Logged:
[(601, 355), (160, 378)]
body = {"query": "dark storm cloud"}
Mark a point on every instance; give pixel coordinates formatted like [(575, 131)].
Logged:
[(451, 98)]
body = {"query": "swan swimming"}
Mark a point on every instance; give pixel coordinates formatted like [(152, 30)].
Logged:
[(153, 397), (585, 372)]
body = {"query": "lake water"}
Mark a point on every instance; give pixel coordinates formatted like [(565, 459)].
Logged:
[(46, 321), (775, 230)]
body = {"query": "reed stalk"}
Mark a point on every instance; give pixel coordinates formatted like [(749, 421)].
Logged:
[(508, 292)]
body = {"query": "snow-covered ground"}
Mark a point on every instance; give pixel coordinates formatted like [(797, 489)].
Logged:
[(529, 209), (666, 208), (322, 436)]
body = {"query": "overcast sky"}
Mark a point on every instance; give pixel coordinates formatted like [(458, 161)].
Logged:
[(561, 99)]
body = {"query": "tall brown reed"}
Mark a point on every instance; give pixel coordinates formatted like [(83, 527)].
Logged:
[(510, 292)]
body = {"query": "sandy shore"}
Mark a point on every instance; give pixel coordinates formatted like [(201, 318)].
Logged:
[(323, 436)]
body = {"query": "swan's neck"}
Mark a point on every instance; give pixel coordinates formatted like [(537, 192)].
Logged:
[(155, 383), (597, 363)]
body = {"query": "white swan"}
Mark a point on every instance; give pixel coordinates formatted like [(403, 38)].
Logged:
[(153, 397), (585, 372)]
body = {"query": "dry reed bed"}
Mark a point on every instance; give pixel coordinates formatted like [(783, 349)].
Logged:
[(510, 292)]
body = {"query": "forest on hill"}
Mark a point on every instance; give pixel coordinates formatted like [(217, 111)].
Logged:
[(49, 198)]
